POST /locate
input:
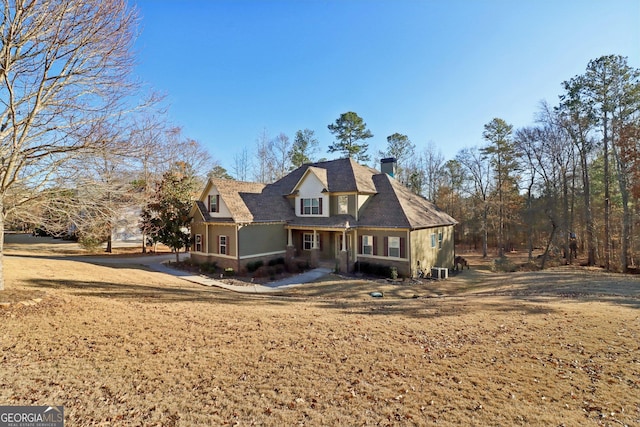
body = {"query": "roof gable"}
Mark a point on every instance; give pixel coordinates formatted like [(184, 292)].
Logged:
[(319, 173)]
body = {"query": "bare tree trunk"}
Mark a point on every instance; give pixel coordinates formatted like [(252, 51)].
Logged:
[(607, 200), (485, 236), (554, 227), (1, 244), (109, 248), (565, 219), (588, 215)]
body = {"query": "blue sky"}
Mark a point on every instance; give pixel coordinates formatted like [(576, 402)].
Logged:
[(437, 71)]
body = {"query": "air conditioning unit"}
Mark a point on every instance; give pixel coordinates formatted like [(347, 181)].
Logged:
[(439, 273)]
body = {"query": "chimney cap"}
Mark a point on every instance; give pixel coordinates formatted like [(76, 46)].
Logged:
[(388, 160)]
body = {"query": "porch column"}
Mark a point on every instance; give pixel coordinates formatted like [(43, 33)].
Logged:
[(290, 253), (343, 257), (314, 260)]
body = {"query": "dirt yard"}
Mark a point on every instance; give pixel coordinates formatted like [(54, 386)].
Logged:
[(123, 346)]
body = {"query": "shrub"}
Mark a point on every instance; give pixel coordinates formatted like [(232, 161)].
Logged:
[(229, 271), (209, 267), (255, 265), (275, 261), (374, 269)]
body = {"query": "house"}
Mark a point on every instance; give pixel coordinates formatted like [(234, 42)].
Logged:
[(334, 212)]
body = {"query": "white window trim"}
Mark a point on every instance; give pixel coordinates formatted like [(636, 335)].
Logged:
[(367, 239), (311, 206), (343, 205), (395, 245), (434, 241), (305, 241), (198, 243), (221, 245)]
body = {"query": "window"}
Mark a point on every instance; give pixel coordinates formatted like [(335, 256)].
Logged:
[(367, 245), (343, 205), (222, 245), (433, 240), (214, 203), (307, 241), (440, 240), (394, 247), (311, 206), (198, 242)]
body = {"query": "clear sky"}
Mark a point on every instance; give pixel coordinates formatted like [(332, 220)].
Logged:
[(437, 71)]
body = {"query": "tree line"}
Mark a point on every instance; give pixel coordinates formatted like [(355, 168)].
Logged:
[(81, 141), (567, 183)]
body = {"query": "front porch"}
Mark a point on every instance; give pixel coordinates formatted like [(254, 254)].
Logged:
[(321, 247)]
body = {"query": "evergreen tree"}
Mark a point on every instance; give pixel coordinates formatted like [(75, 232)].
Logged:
[(502, 156), (304, 147), (165, 219), (349, 130)]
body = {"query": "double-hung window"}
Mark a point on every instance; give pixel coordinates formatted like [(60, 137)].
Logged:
[(394, 247), (311, 206), (198, 242), (367, 245), (343, 205), (307, 241), (214, 202), (222, 245), (433, 240)]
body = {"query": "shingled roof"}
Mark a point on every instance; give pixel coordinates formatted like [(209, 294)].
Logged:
[(391, 204), (394, 205)]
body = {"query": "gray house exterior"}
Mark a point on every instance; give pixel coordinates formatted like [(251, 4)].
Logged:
[(333, 213)]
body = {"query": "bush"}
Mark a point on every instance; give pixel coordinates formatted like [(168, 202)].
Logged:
[(255, 265), (90, 243), (229, 271), (209, 267), (275, 261), (373, 269)]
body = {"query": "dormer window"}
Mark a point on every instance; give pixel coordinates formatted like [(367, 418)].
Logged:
[(312, 206), (214, 203)]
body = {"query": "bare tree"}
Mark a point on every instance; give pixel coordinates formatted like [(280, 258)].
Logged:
[(64, 68), (478, 172), (433, 164), (264, 168), (281, 148), (242, 165)]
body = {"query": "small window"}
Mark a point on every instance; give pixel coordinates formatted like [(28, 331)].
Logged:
[(343, 205), (307, 243), (222, 245), (394, 247), (367, 245), (433, 240), (440, 240), (214, 202), (198, 242)]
